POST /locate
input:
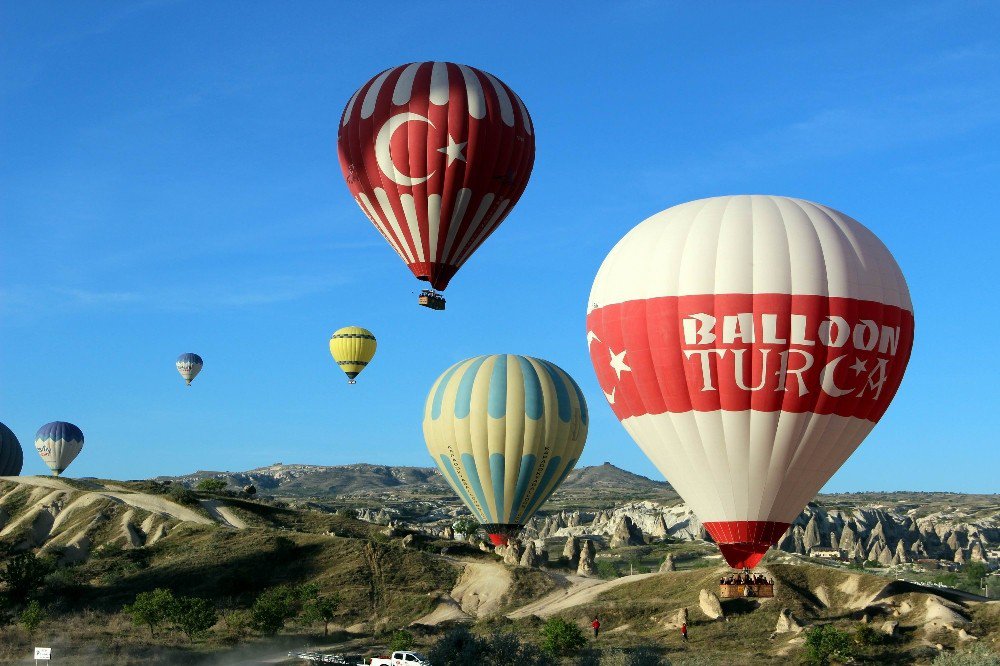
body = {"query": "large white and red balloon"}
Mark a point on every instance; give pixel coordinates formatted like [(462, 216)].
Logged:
[(436, 155), (749, 344)]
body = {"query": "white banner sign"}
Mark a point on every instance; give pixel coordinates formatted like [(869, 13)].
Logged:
[(43, 653)]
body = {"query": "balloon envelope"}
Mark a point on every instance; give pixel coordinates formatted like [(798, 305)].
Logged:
[(58, 443), (353, 348), (11, 455), (749, 344), (189, 365), (505, 431), (436, 155)]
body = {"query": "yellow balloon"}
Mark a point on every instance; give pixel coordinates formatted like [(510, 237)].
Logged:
[(352, 347)]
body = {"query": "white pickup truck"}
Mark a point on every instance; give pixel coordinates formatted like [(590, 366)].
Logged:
[(401, 658)]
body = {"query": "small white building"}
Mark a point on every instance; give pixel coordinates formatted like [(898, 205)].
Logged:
[(827, 553)]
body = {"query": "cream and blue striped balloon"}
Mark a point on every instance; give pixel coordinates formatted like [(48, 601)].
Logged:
[(58, 443), (505, 431)]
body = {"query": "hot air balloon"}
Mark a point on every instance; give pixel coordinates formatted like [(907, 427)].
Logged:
[(11, 456), (58, 443), (352, 347), (189, 365), (436, 155), (505, 431), (748, 344)]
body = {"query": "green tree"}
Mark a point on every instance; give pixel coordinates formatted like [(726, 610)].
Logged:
[(826, 642), (504, 648), (151, 608), (466, 525), (974, 573), (401, 640), (211, 485), (322, 609), (193, 616), (24, 574), (272, 608), (32, 616), (561, 638), (182, 495)]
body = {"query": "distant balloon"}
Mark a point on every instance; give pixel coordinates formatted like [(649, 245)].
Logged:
[(352, 347), (749, 344), (436, 155), (189, 365), (505, 431), (58, 443), (11, 455)]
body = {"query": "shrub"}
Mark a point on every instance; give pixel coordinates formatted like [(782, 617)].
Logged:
[(866, 635), (239, 623), (32, 616), (826, 642), (182, 495), (606, 569), (466, 525), (505, 648), (561, 638), (458, 647), (401, 640), (977, 655), (211, 485)]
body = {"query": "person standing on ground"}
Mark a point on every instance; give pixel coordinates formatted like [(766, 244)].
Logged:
[(596, 624), (684, 631)]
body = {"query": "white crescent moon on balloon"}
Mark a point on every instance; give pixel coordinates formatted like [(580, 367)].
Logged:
[(383, 156), (826, 378)]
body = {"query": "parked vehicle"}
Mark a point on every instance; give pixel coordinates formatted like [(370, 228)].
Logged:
[(399, 658)]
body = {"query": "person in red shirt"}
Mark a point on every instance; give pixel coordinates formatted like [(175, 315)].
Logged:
[(684, 631), (596, 624)]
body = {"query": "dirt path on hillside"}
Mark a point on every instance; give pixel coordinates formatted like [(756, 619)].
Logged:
[(479, 592), (152, 503), (577, 591), (223, 514)]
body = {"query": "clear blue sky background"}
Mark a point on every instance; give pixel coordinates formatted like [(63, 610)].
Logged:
[(169, 183)]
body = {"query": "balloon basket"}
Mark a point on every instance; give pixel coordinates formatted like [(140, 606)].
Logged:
[(431, 299)]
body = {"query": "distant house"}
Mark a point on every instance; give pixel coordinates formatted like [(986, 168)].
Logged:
[(827, 553), (934, 565)]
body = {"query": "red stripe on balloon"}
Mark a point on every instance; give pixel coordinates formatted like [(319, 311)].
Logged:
[(766, 352)]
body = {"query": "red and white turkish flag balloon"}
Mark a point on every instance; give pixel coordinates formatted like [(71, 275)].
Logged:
[(436, 155), (749, 344)]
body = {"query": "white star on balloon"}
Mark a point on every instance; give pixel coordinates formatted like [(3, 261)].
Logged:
[(453, 150), (859, 366), (611, 396), (618, 363)]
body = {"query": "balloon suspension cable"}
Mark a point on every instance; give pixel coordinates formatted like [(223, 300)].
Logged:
[(431, 299)]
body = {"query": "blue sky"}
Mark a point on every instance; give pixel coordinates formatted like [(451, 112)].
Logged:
[(169, 183)]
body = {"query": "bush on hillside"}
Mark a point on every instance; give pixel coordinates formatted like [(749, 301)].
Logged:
[(640, 656), (562, 638), (32, 616), (976, 655), (401, 640), (182, 495), (826, 642), (460, 647), (151, 608), (24, 575), (193, 616), (211, 485)]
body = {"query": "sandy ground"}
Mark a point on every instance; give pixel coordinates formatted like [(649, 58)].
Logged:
[(478, 593), (223, 514), (578, 590)]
